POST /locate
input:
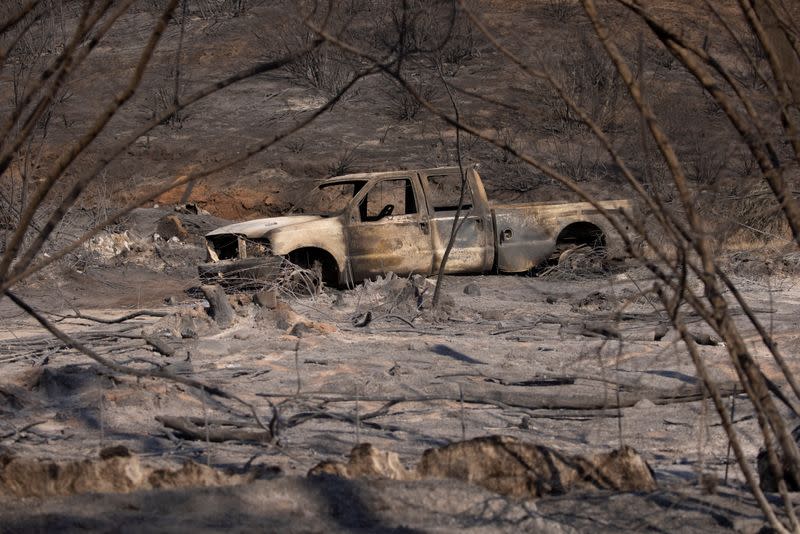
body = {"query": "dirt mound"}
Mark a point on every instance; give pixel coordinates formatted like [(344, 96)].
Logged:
[(518, 469), (504, 465), (152, 252), (264, 194), (192, 219), (366, 461), (118, 472), (156, 239)]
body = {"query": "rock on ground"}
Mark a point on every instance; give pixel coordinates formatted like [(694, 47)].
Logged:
[(505, 465)]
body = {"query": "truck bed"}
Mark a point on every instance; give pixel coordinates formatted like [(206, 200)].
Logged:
[(527, 234), (559, 207)]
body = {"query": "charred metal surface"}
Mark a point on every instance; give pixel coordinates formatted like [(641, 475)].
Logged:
[(528, 233), (401, 221), (398, 244), (473, 249), (240, 272)]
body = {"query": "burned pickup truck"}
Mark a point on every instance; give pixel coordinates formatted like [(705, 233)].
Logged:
[(373, 223)]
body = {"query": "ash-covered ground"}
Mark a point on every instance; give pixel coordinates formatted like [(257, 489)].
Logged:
[(577, 361)]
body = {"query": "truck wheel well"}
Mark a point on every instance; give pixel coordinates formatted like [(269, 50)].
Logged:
[(581, 233), (309, 257)]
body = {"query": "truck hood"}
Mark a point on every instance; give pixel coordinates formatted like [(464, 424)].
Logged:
[(258, 227)]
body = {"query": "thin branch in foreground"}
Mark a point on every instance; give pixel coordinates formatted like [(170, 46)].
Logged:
[(115, 320), (76, 148), (457, 220), (80, 185), (18, 16), (716, 396), (69, 341), (20, 274)]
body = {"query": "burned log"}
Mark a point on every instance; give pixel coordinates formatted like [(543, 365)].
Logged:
[(196, 428)]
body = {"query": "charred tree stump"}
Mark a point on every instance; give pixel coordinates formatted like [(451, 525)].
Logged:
[(767, 477), (219, 307)]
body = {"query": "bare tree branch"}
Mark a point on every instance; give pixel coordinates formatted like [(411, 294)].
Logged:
[(69, 341)]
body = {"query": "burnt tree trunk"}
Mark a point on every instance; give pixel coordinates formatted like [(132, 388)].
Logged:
[(219, 307)]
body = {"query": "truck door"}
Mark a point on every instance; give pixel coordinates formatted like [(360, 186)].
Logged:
[(473, 249), (388, 230)]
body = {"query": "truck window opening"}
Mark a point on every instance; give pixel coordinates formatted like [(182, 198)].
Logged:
[(399, 194)]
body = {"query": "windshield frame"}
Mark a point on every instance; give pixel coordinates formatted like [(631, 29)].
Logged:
[(315, 194)]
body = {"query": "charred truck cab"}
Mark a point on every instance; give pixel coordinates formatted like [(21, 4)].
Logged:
[(362, 225)]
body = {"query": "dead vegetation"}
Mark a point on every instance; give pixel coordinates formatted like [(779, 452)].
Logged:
[(622, 98)]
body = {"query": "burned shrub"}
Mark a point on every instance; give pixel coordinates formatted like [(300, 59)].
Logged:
[(402, 105), (589, 77)]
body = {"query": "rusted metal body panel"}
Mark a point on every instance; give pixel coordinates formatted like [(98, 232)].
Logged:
[(397, 242), (394, 244), (473, 248), (527, 233), (401, 221), (323, 234), (270, 237)]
